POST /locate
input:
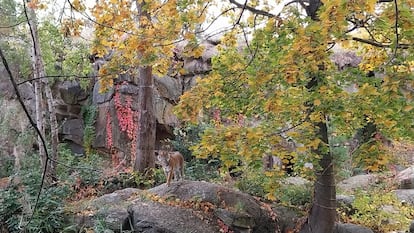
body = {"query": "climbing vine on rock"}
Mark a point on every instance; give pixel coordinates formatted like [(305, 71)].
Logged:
[(127, 118)]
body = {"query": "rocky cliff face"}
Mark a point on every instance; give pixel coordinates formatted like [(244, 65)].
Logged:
[(15, 139), (116, 109)]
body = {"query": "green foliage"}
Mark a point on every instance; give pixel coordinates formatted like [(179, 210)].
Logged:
[(148, 179), (11, 208), (195, 169), (202, 169), (89, 113), (100, 225), (381, 211), (252, 182), (64, 56), (292, 195), (49, 215), (7, 165), (186, 137), (13, 40), (87, 169)]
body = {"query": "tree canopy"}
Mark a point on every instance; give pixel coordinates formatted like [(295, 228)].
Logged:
[(260, 92)]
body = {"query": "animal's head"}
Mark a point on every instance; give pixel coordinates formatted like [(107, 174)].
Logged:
[(163, 157)]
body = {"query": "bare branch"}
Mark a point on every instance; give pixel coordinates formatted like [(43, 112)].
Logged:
[(241, 13)]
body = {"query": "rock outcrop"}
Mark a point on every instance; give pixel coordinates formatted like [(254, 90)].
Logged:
[(186, 206)]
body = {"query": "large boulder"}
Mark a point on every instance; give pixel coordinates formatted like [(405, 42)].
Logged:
[(405, 178), (405, 195), (358, 182), (350, 228), (186, 206)]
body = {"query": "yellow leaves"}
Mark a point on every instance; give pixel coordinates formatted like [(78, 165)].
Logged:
[(71, 27), (366, 67), (389, 123), (367, 90), (408, 108), (105, 83), (78, 5), (373, 58), (197, 51), (317, 102), (230, 39), (370, 6), (314, 144), (316, 117)]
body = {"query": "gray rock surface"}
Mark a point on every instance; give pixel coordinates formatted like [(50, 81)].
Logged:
[(350, 228), (357, 182), (186, 206)]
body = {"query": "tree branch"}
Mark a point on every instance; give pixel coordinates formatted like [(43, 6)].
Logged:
[(252, 9), (381, 45), (397, 36)]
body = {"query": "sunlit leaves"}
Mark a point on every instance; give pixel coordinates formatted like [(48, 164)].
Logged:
[(267, 83), (144, 33)]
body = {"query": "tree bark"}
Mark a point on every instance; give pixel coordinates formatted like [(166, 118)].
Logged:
[(146, 122), (323, 213), (54, 133), (41, 85), (39, 116)]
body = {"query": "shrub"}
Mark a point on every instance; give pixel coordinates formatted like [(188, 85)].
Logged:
[(252, 182), (380, 211), (201, 169), (294, 195), (10, 208)]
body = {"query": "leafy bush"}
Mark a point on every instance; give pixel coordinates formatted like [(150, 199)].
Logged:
[(15, 201), (294, 195), (149, 179), (201, 169), (10, 208), (253, 183), (380, 211), (84, 168)]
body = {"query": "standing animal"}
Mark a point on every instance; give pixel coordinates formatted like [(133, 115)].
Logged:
[(172, 163)]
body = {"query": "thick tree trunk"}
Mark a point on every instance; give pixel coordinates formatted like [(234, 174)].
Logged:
[(146, 122), (323, 213)]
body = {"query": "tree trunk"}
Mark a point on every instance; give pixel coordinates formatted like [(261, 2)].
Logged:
[(41, 85), (146, 122), (323, 213), (54, 133), (39, 117)]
